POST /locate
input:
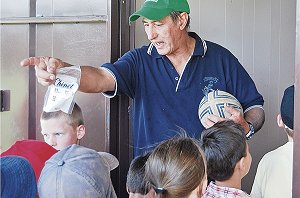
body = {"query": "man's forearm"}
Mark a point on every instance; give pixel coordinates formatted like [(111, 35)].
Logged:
[(95, 80), (256, 117)]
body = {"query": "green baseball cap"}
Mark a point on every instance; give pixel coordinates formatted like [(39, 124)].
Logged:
[(158, 9)]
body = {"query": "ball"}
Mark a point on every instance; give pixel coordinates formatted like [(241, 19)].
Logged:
[(214, 102)]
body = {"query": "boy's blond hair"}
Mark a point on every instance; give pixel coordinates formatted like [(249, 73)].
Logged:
[(74, 119)]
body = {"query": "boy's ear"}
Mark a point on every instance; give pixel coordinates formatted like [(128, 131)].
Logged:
[(203, 186), (80, 131), (200, 190), (151, 193), (279, 121), (240, 165)]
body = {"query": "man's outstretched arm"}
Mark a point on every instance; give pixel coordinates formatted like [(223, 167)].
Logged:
[(93, 79)]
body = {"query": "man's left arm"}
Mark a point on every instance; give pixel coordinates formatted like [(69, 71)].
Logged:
[(255, 116)]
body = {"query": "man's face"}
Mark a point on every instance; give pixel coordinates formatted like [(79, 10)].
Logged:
[(58, 133), (164, 34)]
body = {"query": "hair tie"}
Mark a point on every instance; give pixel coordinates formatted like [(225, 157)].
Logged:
[(160, 190)]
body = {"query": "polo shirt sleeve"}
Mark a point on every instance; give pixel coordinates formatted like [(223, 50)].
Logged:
[(124, 71), (241, 84)]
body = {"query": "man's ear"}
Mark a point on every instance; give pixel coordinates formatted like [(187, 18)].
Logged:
[(80, 131), (183, 20), (279, 121)]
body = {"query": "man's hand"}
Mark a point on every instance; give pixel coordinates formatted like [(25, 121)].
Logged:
[(45, 68), (237, 117), (210, 120)]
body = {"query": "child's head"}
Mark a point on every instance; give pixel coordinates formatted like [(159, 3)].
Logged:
[(77, 171), (177, 168), (135, 183), (286, 117), (17, 177), (61, 129), (35, 151), (226, 150)]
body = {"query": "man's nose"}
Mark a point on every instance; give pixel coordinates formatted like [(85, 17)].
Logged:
[(151, 33)]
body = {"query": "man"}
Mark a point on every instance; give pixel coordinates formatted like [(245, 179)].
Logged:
[(275, 170), (168, 78)]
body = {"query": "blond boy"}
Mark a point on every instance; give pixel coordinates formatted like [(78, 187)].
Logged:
[(60, 129)]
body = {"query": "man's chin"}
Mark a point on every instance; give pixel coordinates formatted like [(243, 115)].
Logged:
[(161, 52)]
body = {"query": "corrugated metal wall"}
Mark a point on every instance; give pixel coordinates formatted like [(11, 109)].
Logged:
[(14, 45), (261, 34), (296, 163), (80, 35)]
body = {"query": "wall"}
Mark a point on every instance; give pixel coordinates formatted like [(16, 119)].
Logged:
[(261, 34), (80, 35), (12, 129)]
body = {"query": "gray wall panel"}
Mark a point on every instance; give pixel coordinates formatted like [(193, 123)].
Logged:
[(234, 27), (213, 21), (248, 33), (296, 163), (85, 43), (14, 47), (9, 8), (79, 44), (71, 8)]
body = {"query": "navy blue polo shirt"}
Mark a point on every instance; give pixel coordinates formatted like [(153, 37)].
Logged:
[(165, 103)]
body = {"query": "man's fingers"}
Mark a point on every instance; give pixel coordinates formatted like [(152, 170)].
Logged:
[(53, 64), (30, 61), (45, 68), (211, 119), (207, 123), (231, 110), (235, 113), (44, 76), (214, 118), (44, 82)]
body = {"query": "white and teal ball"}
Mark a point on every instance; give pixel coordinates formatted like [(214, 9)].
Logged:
[(214, 103)]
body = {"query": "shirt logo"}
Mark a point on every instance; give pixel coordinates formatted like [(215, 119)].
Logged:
[(211, 81)]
